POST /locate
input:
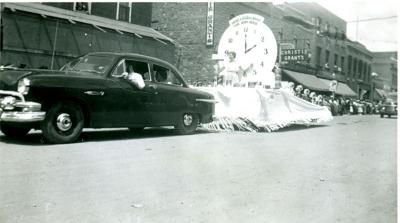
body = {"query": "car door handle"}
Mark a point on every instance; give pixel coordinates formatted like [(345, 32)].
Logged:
[(96, 93)]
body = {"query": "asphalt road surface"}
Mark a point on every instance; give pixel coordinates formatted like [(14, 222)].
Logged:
[(342, 171)]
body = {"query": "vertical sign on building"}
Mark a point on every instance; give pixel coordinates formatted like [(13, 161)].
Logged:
[(210, 24)]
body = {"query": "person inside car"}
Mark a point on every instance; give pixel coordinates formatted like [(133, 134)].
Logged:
[(135, 78), (161, 76)]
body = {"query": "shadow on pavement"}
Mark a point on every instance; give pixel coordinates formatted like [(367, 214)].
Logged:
[(36, 138)]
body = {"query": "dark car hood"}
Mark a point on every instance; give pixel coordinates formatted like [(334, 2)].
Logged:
[(10, 77)]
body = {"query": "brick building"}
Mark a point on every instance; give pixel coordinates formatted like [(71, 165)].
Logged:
[(307, 26), (35, 35)]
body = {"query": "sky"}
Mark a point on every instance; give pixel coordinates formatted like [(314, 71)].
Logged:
[(379, 33)]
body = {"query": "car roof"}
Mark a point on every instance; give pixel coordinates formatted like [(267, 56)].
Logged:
[(135, 55)]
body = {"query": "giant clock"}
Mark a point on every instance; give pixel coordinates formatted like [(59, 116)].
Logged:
[(254, 44)]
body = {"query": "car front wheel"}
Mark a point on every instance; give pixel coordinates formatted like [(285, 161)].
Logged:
[(14, 131), (63, 123), (187, 123)]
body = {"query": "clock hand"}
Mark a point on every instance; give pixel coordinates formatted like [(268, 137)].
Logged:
[(245, 43), (246, 51)]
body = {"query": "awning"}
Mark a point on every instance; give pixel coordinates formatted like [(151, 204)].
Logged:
[(342, 88), (96, 21), (307, 80), (381, 93)]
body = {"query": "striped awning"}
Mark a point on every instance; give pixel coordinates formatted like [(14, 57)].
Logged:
[(318, 84), (342, 88), (307, 80)]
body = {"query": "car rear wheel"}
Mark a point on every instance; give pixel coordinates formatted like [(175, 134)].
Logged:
[(14, 131), (187, 123), (63, 123)]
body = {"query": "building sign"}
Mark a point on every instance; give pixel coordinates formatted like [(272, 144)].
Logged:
[(295, 55), (210, 24)]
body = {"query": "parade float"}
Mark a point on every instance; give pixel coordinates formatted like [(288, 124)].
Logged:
[(254, 99)]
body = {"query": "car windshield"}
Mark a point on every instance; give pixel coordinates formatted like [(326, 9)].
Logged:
[(97, 64)]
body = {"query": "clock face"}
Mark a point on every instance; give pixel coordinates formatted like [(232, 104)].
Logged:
[(254, 44)]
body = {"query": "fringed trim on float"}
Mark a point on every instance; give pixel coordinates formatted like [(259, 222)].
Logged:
[(245, 124)]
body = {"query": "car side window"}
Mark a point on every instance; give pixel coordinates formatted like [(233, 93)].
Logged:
[(119, 70), (141, 68), (166, 76)]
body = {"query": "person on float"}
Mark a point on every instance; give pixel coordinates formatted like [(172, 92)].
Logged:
[(291, 88), (313, 97), (298, 90), (232, 70), (305, 96)]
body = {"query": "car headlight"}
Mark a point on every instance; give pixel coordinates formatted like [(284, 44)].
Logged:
[(23, 85)]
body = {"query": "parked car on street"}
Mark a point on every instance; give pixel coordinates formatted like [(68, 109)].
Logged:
[(389, 108), (93, 92)]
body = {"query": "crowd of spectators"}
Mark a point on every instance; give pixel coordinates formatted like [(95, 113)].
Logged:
[(337, 104)]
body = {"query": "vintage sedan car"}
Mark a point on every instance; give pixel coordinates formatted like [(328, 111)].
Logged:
[(389, 108), (92, 92)]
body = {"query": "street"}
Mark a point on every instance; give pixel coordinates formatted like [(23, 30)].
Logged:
[(342, 171)]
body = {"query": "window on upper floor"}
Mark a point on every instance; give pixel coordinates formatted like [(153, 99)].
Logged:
[(62, 5), (342, 63), (318, 56), (327, 57), (327, 27), (359, 71), (82, 7), (365, 72), (318, 22), (335, 59), (104, 9), (124, 11), (349, 63), (337, 33)]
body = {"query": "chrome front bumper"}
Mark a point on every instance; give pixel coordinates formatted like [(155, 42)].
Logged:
[(26, 111), (22, 116)]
